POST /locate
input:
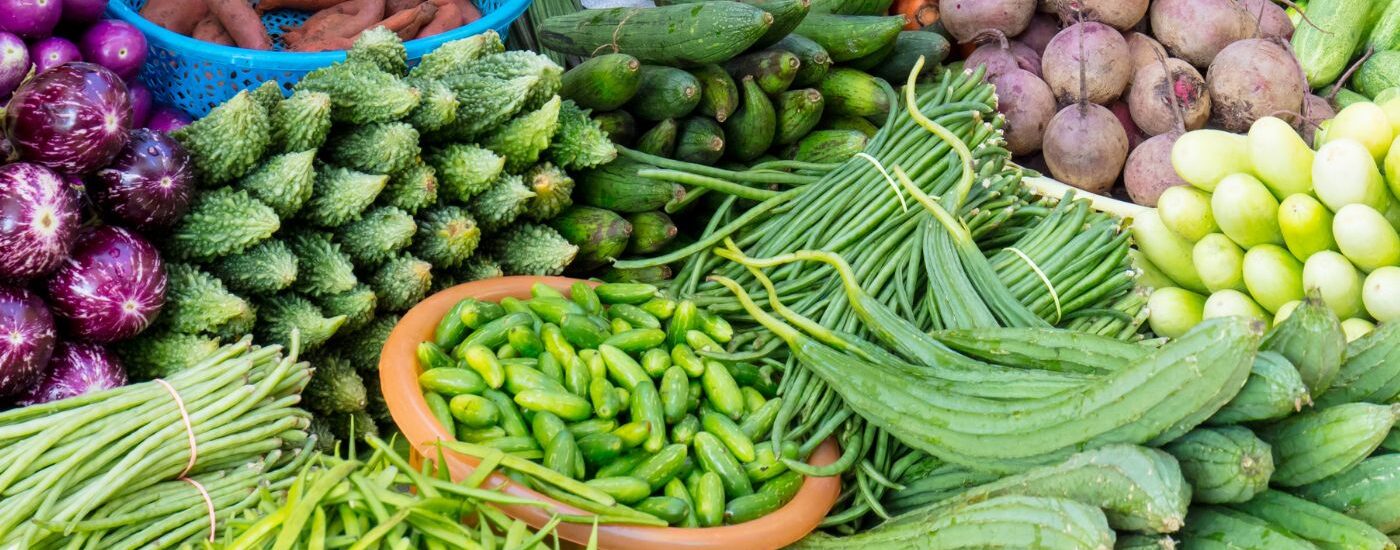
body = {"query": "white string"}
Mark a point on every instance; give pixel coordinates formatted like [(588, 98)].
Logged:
[(1053, 295), (888, 179)]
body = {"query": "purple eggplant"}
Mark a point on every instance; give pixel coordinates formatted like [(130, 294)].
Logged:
[(52, 52), (150, 183), (26, 339), (14, 62), (111, 287), (140, 103), (31, 19), (75, 369), (39, 218), (166, 119), (72, 118), (83, 12), (116, 45)]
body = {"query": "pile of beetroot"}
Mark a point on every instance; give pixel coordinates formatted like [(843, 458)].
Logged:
[(1097, 91), (79, 190)]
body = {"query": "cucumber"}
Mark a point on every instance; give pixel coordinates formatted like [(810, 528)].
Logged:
[(654, 274), (651, 231), (848, 37), (750, 131), (665, 92), (683, 35), (1385, 33), (824, 146), (1380, 72), (1313, 522), (835, 122), (660, 140), (786, 15), (1311, 338), (1371, 371), (619, 125), (798, 113), (1274, 390), (1369, 492), (907, 49), (1225, 464), (701, 141), (850, 92), (814, 61), (1319, 443), (1216, 527), (772, 70), (852, 7), (719, 95), (617, 187), (603, 83), (599, 234), (1325, 47), (873, 60)]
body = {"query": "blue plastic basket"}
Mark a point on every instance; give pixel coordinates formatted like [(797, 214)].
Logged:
[(196, 76)]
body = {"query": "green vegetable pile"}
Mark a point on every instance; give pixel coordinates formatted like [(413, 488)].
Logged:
[(626, 405), (1351, 47), (372, 185)]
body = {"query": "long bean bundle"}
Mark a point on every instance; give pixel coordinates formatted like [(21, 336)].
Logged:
[(62, 462)]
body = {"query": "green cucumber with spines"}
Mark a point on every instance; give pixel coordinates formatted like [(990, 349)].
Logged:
[(719, 94), (665, 92), (908, 48), (651, 232), (842, 122), (1312, 339), (1371, 371), (848, 37), (1225, 464), (849, 92), (1314, 522), (660, 140), (603, 83), (798, 112), (701, 141), (1211, 527), (1369, 492), (823, 146), (682, 35), (1274, 390), (750, 131), (617, 187), (1319, 443), (772, 70)]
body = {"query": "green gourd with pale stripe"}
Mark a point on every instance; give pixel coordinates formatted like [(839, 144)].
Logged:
[(1225, 464), (1311, 338), (1318, 524), (1213, 527), (1274, 390), (1002, 522), (1371, 371), (1319, 443), (1369, 492)]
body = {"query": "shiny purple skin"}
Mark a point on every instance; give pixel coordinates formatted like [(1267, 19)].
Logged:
[(14, 62), (52, 52), (26, 339), (166, 119), (111, 287), (116, 45), (83, 11), (39, 219), (140, 103), (31, 19), (150, 183), (75, 369), (73, 118)]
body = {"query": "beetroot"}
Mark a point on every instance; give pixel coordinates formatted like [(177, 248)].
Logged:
[(1196, 30), (1315, 110), (1272, 19), (150, 183), (1001, 60), (1038, 33), (1153, 89), (52, 52), (1105, 63), (1086, 146), (26, 339), (1143, 49), (14, 63), (1149, 171), (39, 218), (1027, 104), (968, 20), (73, 118), (75, 369), (1125, 119), (111, 288), (1119, 14), (1251, 79)]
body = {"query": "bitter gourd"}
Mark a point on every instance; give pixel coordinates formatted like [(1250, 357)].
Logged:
[(1369, 492), (1274, 390), (532, 249), (267, 268), (238, 327), (553, 190), (301, 122), (340, 195), (1312, 339), (361, 93), (268, 95), (357, 306), (1319, 443), (160, 353), (228, 142), (219, 223), (447, 237), (382, 148), (377, 235), (1371, 371), (382, 48), (1225, 464), (1002, 522), (464, 170), (457, 56), (280, 315), (502, 202), (196, 302), (322, 269), (335, 387), (401, 282), (522, 139), (483, 103), (580, 141), (362, 347), (1318, 524), (1212, 527), (411, 190), (283, 182), (480, 267), (517, 63), (438, 107)]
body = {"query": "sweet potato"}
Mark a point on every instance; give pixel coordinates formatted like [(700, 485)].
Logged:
[(303, 5), (469, 11), (392, 7), (210, 30), (242, 23), (179, 16), (407, 23), (449, 17), (335, 28)]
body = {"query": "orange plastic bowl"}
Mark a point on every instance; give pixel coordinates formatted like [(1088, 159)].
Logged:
[(398, 374)]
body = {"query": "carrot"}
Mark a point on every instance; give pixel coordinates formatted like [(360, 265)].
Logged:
[(303, 5), (334, 28), (448, 17), (407, 23), (242, 23), (210, 30), (917, 13), (179, 16)]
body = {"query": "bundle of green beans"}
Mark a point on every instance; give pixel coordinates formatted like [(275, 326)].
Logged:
[(622, 415), (383, 502), (63, 462)]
